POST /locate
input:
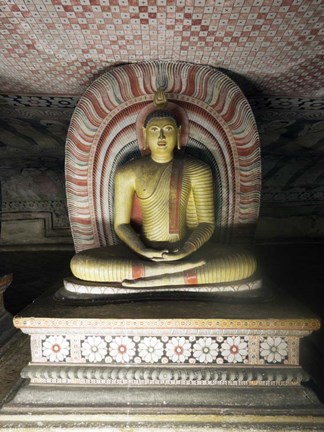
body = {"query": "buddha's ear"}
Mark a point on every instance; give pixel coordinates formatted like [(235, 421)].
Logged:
[(144, 137), (178, 138)]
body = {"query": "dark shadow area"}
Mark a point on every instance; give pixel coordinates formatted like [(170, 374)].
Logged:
[(297, 270), (33, 274)]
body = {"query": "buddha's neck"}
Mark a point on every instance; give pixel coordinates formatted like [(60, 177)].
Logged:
[(162, 158)]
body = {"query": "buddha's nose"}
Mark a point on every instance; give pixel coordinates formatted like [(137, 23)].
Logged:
[(161, 136)]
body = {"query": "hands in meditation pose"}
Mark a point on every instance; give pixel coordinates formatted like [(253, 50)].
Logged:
[(175, 195)]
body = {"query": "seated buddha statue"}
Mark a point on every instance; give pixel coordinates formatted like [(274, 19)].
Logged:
[(176, 197)]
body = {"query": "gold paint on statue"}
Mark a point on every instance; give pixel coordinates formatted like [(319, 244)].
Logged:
[(177, 204)]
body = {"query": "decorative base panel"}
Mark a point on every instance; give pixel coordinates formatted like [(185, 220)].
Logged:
[(190, 361)]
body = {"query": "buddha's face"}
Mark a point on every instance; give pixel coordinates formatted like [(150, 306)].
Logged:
[(161, 135)]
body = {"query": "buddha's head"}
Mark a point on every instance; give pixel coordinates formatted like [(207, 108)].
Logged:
[(161, 133)]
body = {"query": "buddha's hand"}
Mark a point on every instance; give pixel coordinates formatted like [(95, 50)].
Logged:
[(177, 254), (153, 254)]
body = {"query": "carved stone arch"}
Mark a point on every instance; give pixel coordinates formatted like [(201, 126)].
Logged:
[(102, 135)]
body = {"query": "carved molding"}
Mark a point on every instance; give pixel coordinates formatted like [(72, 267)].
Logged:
[(175, 376)]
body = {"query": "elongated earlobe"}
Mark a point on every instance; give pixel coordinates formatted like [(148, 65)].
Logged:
[(144, 138), (178, 138)]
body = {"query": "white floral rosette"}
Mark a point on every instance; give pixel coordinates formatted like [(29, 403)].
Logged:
[(150, 349), (122, 349), (234, 349), (178, 349), (56, 348), (94, 349), (274, 350), (205, 350)]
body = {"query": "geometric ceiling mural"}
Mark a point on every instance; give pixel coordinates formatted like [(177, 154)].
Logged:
[(58, 47)]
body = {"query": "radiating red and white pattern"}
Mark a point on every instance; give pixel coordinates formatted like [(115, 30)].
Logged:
[(102, 135)]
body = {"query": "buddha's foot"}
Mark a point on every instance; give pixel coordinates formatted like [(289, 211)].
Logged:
[(151, 282), (173, 274)]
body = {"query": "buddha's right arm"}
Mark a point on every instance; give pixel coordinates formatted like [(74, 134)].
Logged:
[(124, 194)]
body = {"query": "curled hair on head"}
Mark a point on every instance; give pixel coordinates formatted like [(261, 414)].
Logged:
[(160, 114)]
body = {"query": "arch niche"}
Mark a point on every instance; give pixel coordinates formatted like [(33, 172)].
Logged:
[(102, 135)]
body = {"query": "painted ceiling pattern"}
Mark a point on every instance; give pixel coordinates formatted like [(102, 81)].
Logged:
[(60, 46)]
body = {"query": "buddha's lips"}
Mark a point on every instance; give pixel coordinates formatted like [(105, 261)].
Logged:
[(161, 143)]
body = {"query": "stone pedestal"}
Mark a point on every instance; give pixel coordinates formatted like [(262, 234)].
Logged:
[(165, 365)]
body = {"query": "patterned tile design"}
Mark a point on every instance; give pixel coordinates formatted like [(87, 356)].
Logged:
[(60, 46), (182, 349)]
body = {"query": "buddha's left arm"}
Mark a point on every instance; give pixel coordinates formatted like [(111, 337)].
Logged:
[(203, 194)]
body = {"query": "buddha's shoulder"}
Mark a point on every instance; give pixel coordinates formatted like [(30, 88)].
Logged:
[(132, 166), (192, 163)]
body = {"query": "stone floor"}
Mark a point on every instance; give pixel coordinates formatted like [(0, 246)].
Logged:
[(15, 358), (296, 269)]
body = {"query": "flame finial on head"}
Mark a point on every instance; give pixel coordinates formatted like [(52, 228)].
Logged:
[(160, 101)]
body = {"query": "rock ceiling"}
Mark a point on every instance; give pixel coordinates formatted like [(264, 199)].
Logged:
[(272, 47)]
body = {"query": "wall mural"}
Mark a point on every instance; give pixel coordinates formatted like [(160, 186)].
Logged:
[(32, 139), (292, 143), (32, 144)]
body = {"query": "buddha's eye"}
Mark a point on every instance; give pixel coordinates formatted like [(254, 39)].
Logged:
[(154, 129), (168, 128)]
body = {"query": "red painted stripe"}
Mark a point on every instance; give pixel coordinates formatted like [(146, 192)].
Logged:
[(175, 193), (190, 277), (138, 271)]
